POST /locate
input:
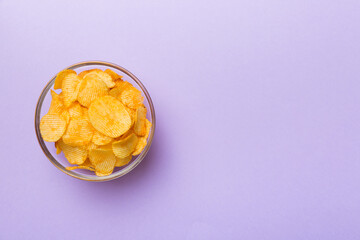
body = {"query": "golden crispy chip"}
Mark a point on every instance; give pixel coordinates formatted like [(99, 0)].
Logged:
[(87, 163), (140, 146), (115, 92), (75, 110), (125, 147), (122, 161), (85, 113), (105, 77), (90, 88), (125, 135), (113, 74), (140, 123), (109, 116), (143, 140), (58, 149), (131, 97), (70, 88), (91, 146), (103, 160), (147, 127), (52, 127), (75, 155), (79, 132), (83, 73), (119, 82), (56, 105), (80, 167), (120, 86), (132, 113), (65, 115), (60, 76), (101, 139)]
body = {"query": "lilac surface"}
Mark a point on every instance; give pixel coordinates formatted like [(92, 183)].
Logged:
[(257, 108)]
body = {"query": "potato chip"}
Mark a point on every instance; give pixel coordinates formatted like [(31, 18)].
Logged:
[(125, 147), (132, 113), (119, 82), (143, 140), (140, 123), (52, 127), (70, 88), (85, 113), (75, 155), (65, 115), (83, 73), (115, 92), (80, 167), (105, 77), (56, 105), (58, 149), (75, 110), (140, 146), (113, 74), (78, 133), (90, 88), (103, 161), (119, 88), (131, 97), (60, 76), (109, 116), (91, 146), (101, 139), (87, 163), (122, 161), (147, 127)]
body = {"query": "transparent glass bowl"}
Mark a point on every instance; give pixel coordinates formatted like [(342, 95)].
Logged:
[(60, 161)]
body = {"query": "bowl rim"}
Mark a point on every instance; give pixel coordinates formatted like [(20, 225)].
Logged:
[(95, 178)]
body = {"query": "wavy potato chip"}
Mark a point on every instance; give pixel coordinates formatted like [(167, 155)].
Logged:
[(70, 88), (80, 167), (60, 76), (132, 113), (103, 161), (122, 161), (105, 77), (119, 82), (101, 139), (91, 87), (143, 140), (52, 127), (87, 163), (91, 146), (148, 128), (115, 92), (56, 105), (125, 147), (113, 75), (109, 116), (75, 155), (140, 123), (58, 149), (75, 110), (131, 97), (83, 73), (140, 146), (79, 132)]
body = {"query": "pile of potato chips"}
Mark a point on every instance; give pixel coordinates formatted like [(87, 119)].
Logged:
[(98, 120)]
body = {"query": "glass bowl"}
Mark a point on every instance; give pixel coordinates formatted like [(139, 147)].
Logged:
[(60, 161)]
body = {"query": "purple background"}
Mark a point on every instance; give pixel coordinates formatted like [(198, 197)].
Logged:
[(257, 107)]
